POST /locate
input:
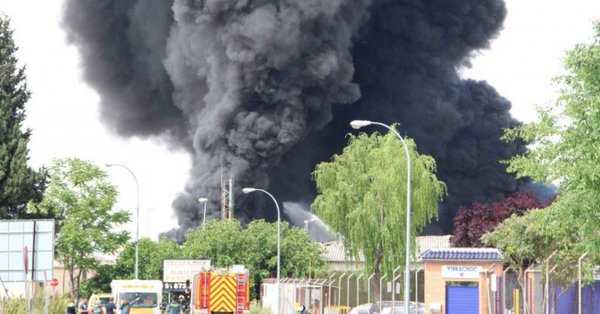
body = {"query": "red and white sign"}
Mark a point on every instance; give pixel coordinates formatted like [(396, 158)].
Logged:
[(54, 282)]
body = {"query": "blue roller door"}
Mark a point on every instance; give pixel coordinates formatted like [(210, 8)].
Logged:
[(462, 300)]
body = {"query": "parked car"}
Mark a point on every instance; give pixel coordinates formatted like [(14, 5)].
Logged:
[(362, 309), (398, 308), (414, 309)]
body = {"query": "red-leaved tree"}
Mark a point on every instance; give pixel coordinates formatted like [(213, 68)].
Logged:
[(470, 223)]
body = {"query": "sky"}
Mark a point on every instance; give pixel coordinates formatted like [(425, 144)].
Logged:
[(64, 118)]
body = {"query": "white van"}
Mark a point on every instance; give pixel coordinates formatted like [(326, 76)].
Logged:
[(144, 296)]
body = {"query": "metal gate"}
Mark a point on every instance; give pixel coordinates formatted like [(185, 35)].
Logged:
[(462, 299)]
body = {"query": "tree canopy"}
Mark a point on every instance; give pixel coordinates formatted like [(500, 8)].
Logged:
[(362, 196), (470, 223), (564, 151), (19, 183), (224, 243), (565, 147), (82, 200)]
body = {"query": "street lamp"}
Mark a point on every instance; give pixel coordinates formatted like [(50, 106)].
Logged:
[(357, 124), (203, 200), (137, 216), (250, 190)]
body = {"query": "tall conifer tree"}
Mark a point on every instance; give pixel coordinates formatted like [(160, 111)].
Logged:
[(19, 183)]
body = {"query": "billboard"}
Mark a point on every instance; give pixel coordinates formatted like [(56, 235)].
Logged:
[(177, 271), (26, 250)]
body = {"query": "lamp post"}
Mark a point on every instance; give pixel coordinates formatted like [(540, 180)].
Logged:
[(203, 200), (357, 124), (250, 190), (137, 216)]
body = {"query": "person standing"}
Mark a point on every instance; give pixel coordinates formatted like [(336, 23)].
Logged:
[(124, 307), (174, 307), (83, 307), (110, 307), (97, 308), (71, 307)]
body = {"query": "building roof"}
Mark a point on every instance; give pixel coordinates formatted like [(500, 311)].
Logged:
[(425, 243), (335, 252), (462, 254)]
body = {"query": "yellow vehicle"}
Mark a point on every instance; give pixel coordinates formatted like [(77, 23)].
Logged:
[(102, 297), (144, 296)]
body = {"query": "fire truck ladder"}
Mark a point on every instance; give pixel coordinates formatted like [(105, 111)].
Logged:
[(241, 292)]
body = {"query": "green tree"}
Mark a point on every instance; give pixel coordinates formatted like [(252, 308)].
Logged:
[(565, 151), (151, 256), (362, 196), (19, 183), (565, 141), (82, 199), (226, 243)]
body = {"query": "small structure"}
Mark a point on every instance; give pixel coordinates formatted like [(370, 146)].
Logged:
[(336, 259), (462, 280)]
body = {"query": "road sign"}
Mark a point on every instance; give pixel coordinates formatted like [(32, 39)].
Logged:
[(54, 282)]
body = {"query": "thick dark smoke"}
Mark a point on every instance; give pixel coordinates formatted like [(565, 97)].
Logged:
[(260, 88)]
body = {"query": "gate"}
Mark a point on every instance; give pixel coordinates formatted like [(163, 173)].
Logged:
[(462, 299)]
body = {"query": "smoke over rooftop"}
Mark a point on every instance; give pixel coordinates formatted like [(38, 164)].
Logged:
[(264, 89)]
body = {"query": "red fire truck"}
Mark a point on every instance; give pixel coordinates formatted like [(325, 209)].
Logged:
[(221, 291)]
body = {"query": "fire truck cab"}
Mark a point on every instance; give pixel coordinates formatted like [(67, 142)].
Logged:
[(221, 291)]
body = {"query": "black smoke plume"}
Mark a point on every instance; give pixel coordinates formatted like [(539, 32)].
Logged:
[(264, 89)]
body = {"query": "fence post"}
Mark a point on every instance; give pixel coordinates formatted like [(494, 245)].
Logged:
[(579, 307), (504, 289), (369, 288), (417, 287), (358, 289), (394, 287), (340, 289), (348, 289), (381, 292), (329, 283), (547, 286)]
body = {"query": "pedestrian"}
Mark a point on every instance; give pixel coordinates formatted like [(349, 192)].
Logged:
[(183, 304), (83, 307), (124, 306), (174, 307), (110, 307), (71, 307), (97, 308)]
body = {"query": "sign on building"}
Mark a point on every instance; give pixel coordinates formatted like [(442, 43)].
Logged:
[(177, 271), (26, 250), (461, 272)]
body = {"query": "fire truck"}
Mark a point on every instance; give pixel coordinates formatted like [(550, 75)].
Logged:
[(221, 291)]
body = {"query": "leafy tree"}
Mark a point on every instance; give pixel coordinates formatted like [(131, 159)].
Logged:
[(566, 144), (82, 199), (565, 151), (470, 223), (19, 184), (362, 196), (529, 239), (226, 243), (151, 256)]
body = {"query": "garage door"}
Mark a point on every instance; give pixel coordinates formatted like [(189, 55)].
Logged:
[(462, 299)]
